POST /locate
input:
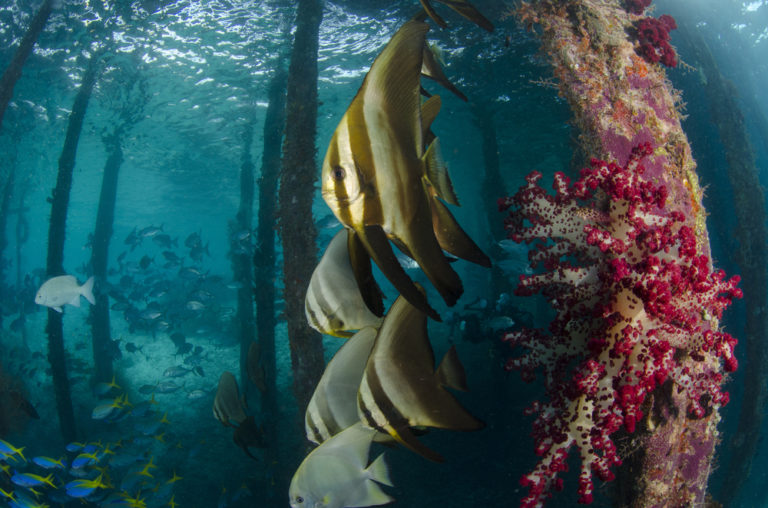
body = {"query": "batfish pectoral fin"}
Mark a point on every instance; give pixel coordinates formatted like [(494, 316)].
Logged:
[(469, 11), (452, 238), (450, 372), (361, 268), (433, 14), (376, 243), (405, 437)]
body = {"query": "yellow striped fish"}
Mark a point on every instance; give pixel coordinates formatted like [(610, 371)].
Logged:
[(400, 387), (377, 175)]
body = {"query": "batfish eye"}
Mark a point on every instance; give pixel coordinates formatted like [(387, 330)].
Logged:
[(338, 173)]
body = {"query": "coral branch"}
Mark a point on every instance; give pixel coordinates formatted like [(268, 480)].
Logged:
[(635, 304)]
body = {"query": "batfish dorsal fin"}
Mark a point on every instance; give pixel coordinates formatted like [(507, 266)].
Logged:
[(437, 173), (392, 86), (432, 69), (429, 110)]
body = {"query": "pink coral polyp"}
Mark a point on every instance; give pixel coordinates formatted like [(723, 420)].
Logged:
[(636, 306)]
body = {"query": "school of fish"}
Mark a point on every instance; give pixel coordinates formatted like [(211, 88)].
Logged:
[(385, 181)]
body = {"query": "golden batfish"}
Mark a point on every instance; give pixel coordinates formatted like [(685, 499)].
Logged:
[(334, 303), (401, 388), (377, 177), (227, 406)]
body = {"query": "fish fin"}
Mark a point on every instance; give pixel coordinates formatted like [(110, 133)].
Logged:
[(374, 496), (452, 238), (433, 14), (393, 82), (406, 438), (87, 291), (437, 173), (379, 472), (424, 92), (429, 110), (59, 309), (75, 301), (435, 73), (450, 372), (377, 245), (469, 11), (360, 261)]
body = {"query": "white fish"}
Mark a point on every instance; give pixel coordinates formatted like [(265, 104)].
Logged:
[(333, 406), (334, 474), (62, 290), (334, 304)]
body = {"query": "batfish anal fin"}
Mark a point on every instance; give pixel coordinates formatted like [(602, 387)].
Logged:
[(376, 243), (361, 267), (452, 238), (406, 438)]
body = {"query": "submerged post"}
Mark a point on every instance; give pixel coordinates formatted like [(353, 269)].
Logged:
[(655, 374), (56, 235), (297, 189), (751, 256), (240, 252), (13, 71), (102, 234), (264, 265)]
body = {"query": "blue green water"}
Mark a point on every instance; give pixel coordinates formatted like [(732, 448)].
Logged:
[(192, 75)]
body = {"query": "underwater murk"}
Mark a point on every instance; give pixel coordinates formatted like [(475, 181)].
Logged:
[(356, 253)]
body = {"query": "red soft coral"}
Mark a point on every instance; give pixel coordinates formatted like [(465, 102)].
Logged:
[(633, 300)]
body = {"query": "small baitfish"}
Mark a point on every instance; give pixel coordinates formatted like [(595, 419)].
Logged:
[(30, 480), (63, 290), (49, 463), (82, 488)]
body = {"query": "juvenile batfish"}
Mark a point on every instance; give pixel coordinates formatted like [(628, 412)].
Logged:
[(62, 290), (400, 387), (334, 303), (375, 172), (334, 475), (227, 407), (333, 406)]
